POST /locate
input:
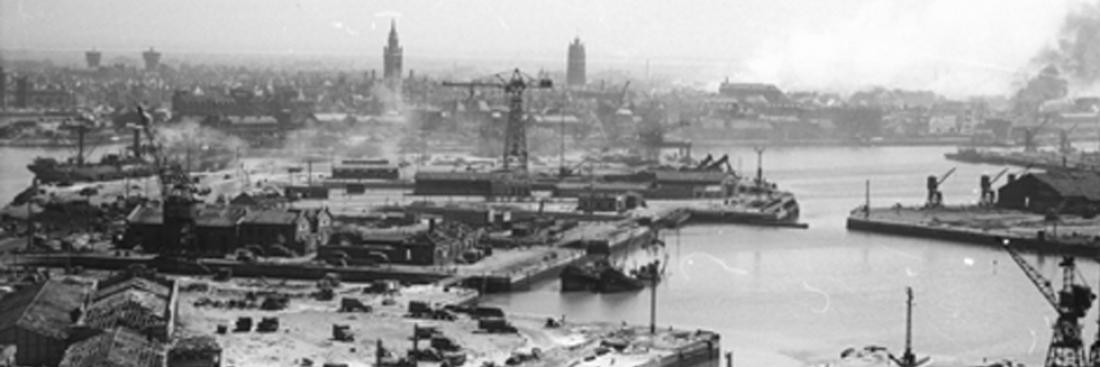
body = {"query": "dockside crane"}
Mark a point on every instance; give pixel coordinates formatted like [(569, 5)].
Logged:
[(1029, 135), (1072, 302), (935, 196), (989, 196), (1065, 146), (515, 133)]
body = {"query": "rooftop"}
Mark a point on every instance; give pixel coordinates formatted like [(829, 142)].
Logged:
[(118, 347), (1081, 184), (43, 308)]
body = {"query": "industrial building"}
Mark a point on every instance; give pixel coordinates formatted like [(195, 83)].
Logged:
[(439, 244), (1075, 193), (222, 229), (487, 184)]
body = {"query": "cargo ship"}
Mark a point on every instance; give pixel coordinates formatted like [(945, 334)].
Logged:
[(131, 164)]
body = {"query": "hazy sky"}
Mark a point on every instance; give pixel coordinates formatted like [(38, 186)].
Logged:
[(954, 46)]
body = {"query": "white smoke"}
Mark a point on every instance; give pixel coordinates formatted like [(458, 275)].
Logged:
[(956, 48)]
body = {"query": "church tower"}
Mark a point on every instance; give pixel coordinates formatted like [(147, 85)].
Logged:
[(391, 58)]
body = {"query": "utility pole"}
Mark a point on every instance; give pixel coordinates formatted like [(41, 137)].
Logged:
[(30, 214), (653, 302), (867, 199)]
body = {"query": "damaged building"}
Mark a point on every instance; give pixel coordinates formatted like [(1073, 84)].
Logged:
[(124, 320)]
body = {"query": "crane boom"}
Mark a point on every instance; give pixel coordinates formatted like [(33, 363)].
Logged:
[(998, 176), (1036, 278), (947, 175)]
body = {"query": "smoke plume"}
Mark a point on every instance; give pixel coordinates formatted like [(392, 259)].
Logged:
[(1077, 50)]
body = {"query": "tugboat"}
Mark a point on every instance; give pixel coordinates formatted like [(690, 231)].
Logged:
[(598, 276)]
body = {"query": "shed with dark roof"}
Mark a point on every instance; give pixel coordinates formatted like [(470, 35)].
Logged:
[(37, 320), (1075, 193)]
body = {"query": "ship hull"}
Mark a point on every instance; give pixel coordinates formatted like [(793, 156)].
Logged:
[(91, 173)]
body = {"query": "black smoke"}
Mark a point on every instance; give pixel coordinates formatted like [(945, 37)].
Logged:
[(1077, 50)]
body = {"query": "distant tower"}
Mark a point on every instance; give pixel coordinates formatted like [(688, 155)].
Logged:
[(574, 72), (92, 58), (152, 59), (391, 57)]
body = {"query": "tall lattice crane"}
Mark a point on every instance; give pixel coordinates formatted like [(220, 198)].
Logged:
[(1072, 303), (515, 133)]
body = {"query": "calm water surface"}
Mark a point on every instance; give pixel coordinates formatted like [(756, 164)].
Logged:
[(786, 297)]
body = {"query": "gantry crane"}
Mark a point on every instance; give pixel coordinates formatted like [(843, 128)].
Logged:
[(1072, 303), (935, 196), (515, 133)]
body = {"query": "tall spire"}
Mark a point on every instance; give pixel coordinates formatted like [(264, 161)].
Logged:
[(391, 57), (393, 33)]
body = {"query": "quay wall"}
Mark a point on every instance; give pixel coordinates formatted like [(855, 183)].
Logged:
[(1037, 243)]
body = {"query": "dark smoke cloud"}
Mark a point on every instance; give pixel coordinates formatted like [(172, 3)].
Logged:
[(1047, 85), (1077, 52)]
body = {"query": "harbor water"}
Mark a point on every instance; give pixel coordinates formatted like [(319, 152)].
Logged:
[(791, 297)]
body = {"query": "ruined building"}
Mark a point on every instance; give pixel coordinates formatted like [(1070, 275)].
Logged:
[(574, 72)]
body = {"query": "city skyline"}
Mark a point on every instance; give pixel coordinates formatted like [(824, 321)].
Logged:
[(844, 45)]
